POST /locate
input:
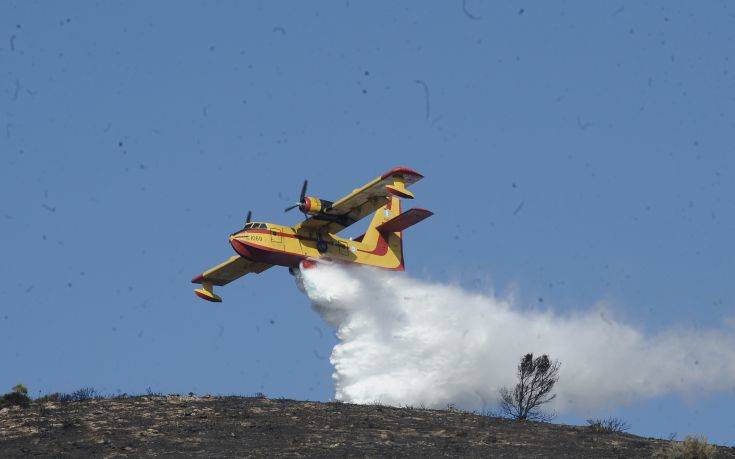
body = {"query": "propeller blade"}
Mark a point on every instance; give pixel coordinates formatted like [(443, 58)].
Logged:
[(301, 197), (250, 214), (303, 191)]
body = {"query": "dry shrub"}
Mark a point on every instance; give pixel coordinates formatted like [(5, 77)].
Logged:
[(608, 425), (690, 448), (18, 397)]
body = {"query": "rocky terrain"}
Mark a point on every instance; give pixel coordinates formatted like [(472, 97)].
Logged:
[(258, 426)]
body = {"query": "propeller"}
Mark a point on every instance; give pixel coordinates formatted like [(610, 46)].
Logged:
[(301, 197), (250, 214)]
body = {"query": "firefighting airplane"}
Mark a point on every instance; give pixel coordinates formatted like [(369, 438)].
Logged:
[(262, 245)]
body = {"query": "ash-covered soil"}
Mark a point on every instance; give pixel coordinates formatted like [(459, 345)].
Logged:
[(242, 426)]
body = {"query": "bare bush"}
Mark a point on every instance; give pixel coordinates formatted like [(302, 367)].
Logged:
[(608, 425), (80, 395), (536, 379), (151, 393)]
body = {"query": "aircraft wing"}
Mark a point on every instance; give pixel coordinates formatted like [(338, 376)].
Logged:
[(362, 201), (224, 273), (232, 269)]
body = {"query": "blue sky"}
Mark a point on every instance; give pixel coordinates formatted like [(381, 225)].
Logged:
[(573, 152)]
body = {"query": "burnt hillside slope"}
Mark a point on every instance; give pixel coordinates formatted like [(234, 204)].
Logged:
[(237, 426)]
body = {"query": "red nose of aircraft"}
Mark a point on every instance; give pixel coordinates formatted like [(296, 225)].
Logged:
[(240, 247)]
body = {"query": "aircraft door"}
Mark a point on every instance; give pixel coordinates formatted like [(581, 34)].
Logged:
[(276, 236)]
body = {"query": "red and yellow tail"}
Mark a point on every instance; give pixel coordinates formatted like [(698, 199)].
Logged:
[(384, 236)]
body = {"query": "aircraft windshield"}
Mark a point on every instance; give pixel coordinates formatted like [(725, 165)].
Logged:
[(254, 226)]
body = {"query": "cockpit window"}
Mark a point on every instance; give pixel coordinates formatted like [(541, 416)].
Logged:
[(248, 226)]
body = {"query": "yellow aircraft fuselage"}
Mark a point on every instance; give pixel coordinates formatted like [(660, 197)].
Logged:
[(289, 246)]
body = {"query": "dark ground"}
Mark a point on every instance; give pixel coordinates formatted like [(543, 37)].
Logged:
[(239, 426)]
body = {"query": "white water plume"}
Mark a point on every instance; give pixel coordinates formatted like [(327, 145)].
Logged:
[(409, 342)]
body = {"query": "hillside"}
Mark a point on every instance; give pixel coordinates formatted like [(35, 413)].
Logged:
[(236, 426)]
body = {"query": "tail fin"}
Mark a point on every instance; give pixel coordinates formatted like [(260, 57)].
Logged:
[(385, 233)]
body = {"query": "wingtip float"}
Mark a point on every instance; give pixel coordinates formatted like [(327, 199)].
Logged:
[(261, 245)]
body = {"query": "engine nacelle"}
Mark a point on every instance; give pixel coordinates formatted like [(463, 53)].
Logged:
[(313, 206)]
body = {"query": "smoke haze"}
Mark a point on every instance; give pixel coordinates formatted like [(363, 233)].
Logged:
[(406, 341)]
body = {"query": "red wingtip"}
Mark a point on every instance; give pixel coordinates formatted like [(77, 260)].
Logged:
[(213, 299), (198, 280), (402, 170)]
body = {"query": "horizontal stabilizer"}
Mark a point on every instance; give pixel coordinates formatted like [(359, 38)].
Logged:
[(404, 220)]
